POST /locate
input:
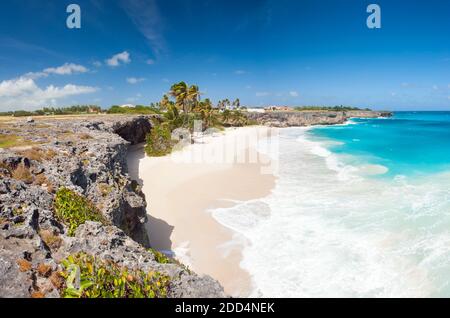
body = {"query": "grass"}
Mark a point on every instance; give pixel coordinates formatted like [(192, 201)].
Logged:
[(104, 279), (52, 240), (104, 189), (22, 173), (8, 141), (85, 137), (73, 210), (38, 154)]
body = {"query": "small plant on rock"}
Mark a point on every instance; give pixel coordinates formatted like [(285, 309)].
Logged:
[(73, 210), (88, 277), (160, 257)]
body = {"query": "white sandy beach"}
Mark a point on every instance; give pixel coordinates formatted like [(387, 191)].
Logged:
[(179, 192)]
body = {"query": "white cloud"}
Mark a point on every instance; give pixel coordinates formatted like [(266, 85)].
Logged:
[(261, 94), (150, 61), (115, 60), (24, 93), (240, 72), (134, 80), (294, 94), (97, 64), (65, 69)]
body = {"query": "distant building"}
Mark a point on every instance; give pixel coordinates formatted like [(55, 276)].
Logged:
[(128, 106), (278, 108), (92, 110), (256, 110)]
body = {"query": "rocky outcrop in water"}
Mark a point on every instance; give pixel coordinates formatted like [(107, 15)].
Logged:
[(87, 156), (309, 118)]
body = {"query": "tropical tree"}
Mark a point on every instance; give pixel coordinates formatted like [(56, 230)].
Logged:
[(164, 103), (237, 103), (227, 103), (193, 96), (226, 116), (221, 105), (180, 91)]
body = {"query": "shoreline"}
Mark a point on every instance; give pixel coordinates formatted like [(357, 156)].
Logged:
[(181, 190)]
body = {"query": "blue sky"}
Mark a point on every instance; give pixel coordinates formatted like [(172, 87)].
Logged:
[(262, 51)]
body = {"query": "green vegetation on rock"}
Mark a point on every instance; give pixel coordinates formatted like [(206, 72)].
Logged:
[(73, 210), (160, 257), (139, 109), (88, 277), (339, 108), (71, 110), (9, 141), (159, 141)]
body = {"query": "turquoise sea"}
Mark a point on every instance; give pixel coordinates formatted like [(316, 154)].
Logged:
[(408, 143), (359, 210)]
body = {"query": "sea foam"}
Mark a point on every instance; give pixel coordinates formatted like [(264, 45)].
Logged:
[(331, 229)]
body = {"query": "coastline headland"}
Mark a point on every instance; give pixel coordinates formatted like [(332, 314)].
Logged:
[(310, 118), (87, 157)]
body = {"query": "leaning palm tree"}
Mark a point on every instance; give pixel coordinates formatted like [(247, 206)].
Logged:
[(180, 92), (193, 96)]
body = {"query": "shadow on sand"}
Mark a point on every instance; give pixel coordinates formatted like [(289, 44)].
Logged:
[(158, 230)]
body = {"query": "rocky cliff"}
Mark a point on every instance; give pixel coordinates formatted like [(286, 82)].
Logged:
[(308, 118), (88, 157)]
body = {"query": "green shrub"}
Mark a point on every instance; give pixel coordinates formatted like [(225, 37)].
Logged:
[(103, 279), (73, 210), (139, 109), (160, 257), (159, 141)]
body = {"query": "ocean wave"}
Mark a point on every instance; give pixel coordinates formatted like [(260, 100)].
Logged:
[(329, 229)]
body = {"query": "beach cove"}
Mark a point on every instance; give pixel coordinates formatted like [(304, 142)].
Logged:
[(217, 171)]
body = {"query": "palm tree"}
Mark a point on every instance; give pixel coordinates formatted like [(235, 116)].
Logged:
[(206, 113), (226, 116), (193, 96), (227, 103), (180, 92), (221, 105), (237, 103), (164, 104)]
